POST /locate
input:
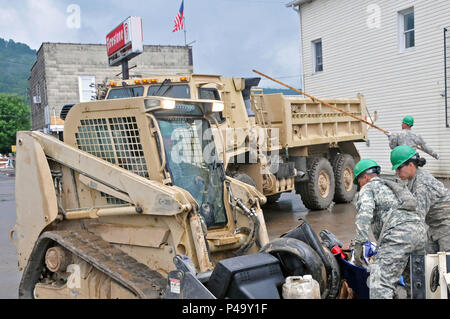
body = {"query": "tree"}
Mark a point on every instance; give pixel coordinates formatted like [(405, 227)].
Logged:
[(14, 116), (16, 60)]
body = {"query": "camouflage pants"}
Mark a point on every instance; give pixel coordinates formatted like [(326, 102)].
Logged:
[(442, 244), (392, 259)]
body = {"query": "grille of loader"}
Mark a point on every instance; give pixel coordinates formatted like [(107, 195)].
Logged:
[(115, 140)]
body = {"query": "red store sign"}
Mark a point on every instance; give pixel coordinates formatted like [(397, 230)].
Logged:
[(115, 40)]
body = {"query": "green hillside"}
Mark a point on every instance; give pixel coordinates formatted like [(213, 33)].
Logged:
[(283, 91), (16, 60)]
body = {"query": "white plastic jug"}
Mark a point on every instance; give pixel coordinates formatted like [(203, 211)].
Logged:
[(298, 287)]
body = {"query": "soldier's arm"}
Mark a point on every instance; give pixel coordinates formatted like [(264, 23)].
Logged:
[(364, 217), (421, 143), (393, 141), (423, 195)]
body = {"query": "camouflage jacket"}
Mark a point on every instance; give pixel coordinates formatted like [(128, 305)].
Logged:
[(382, 205), (408, 137), (433, 200)]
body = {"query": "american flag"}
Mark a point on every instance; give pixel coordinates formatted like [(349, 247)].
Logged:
[(179, 19)]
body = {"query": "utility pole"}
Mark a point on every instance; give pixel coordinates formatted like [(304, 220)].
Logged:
[(125, 69)]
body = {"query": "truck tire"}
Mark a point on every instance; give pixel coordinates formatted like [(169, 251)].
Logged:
[(334, 277), (318, 192), (343, 173)]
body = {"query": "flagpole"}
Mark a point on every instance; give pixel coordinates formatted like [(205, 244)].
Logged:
[(184, 27)]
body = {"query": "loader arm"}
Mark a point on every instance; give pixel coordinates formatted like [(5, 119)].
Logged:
[(36, 199), (154, 198)]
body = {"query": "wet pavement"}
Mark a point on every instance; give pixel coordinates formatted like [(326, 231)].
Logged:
[(9, 275), (284, 215)]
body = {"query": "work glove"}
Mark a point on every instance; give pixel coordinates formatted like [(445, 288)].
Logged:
[(389, 134), (358, 255)]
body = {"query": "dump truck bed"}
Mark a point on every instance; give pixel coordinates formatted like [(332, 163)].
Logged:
[(303, 122)]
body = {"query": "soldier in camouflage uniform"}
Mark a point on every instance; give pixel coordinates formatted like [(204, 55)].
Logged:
[(408, 137), (390, 210), (433, 198)]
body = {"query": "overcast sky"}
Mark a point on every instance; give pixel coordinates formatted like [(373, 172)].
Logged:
[(232, 37)]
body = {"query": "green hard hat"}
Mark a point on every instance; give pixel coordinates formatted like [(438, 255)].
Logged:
[(401, 154), (361, 167), (409, 120)]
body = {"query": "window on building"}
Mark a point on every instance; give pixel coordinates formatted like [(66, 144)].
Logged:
[(317, 56), (86, 87), (406, 29), (37, 94), (44, 88), (38, 90)]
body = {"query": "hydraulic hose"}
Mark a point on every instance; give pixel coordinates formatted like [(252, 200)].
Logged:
[(254, 223)]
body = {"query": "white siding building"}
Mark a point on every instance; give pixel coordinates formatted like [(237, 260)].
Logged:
[(390, 51)]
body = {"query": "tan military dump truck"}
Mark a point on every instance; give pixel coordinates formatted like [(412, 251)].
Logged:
[(133, 202), (274, 142), (318, 141)]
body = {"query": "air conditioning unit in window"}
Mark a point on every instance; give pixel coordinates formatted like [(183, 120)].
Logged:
[(36, 99)]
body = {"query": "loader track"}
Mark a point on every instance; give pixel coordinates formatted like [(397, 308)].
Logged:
[(142, 281)]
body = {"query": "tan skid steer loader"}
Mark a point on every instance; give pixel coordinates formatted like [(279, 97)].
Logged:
[(134, 203)]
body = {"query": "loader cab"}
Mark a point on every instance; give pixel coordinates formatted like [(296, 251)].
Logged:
[(191, 158)]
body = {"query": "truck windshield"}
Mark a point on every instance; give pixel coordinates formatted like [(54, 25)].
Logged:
[(179, 91), (208, 94), (192, 161), (211, 94), (125, 92)]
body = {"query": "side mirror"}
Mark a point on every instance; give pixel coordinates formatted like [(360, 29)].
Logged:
[(239, 84)]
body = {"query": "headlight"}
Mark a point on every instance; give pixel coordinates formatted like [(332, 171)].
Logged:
[(217, 107), (168, 104)]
